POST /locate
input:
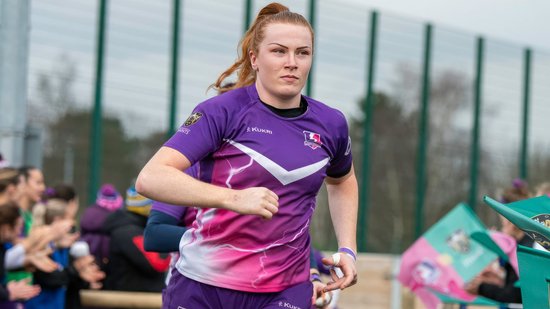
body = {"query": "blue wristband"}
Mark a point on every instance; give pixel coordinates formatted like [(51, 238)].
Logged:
[(349, 252), (315, 277)]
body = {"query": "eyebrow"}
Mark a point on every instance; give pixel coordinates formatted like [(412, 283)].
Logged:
[(301, 47)]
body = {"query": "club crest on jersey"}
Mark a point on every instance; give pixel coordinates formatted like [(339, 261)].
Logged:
[(313, 140), (192, 119)]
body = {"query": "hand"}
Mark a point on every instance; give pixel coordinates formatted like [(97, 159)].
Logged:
[(346, 265), (493, 275), (83, 262), (41, 260), (38, 238), (67, 240), (93, 275), (22, 290), (60, 227), (472, 287), (257, 201), (89, 271), (320, 299)]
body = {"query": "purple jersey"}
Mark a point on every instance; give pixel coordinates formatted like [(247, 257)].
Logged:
[(240, 143)]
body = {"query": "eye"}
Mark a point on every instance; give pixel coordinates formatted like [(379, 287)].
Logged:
[(279, 51), (304, 52)]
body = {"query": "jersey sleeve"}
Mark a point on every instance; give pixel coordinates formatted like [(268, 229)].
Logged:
[(341, 163), (203, 132)]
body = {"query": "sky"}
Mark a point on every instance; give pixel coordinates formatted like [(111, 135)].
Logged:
[(521, 22)]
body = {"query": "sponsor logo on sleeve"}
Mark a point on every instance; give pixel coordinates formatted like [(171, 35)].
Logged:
[(192, 119)]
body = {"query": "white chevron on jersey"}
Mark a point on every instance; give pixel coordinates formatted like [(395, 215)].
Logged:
[(279, 172)]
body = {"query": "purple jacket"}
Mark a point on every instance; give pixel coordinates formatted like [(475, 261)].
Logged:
[(91, 231)]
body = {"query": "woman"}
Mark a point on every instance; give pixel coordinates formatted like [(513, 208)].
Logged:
[(264, 151)]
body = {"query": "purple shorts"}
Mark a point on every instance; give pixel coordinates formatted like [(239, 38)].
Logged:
[(184, 293)]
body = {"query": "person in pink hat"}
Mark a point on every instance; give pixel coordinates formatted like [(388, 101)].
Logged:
[(91, 223)]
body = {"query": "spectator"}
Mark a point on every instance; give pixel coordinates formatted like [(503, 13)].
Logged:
[(543, 189), (55, 284), (33, 190), (11, 224), (132, 268), (85, 273), (9, 181), (92, 220), (497, 282), (28, 193)]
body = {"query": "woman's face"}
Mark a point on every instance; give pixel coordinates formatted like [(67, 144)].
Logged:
[(35, 186), (282, 64)]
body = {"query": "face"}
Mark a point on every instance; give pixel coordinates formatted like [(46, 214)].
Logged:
[(10, 233), (282, 64), (35, 186), (19, 188), (72, 208)]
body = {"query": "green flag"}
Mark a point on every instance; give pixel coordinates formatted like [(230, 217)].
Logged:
[(534, 268), (530, 215)]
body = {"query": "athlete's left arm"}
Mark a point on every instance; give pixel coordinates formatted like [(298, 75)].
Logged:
[(343, 205)]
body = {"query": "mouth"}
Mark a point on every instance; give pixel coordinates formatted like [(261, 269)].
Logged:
[(290, 78)]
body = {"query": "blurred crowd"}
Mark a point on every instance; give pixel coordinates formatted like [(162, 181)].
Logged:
[(47, 255)]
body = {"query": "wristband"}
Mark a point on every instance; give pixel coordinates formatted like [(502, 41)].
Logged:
[(349, 252), (315, 277)]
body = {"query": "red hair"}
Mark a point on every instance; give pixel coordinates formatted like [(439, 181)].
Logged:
[(272, 13)]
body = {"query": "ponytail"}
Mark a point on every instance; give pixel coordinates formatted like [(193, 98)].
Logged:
[(273, 12)]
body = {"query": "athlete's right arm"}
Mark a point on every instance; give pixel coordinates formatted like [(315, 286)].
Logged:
[(161, 179)]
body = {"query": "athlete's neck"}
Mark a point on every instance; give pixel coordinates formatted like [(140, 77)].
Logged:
[(288, 112)]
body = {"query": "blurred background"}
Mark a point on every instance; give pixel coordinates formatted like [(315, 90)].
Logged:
[(439, 113)]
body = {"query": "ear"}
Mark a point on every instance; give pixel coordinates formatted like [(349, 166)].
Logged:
[(253, 60)]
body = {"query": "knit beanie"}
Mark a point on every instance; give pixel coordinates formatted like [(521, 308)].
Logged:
[(137, 203), (109, 198)]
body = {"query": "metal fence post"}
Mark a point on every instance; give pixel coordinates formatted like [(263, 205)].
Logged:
[(312, 16), (364, 192), (423, 134), (474, 154), (96, 126), (523, 169), (247, 14), (174, 65)]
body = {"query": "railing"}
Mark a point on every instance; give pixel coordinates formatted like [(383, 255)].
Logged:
[(120, 299)]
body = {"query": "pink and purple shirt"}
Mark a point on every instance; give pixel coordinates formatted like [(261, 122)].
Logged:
[(239, 143)]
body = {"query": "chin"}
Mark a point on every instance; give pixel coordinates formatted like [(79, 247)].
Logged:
[(290, 93)]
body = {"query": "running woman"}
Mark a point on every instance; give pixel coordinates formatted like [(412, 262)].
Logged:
[(264, 151)]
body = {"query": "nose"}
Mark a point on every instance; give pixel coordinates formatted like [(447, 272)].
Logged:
[(291, 61)]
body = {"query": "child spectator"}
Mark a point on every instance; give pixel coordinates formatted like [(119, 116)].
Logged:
[(92, 220)]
